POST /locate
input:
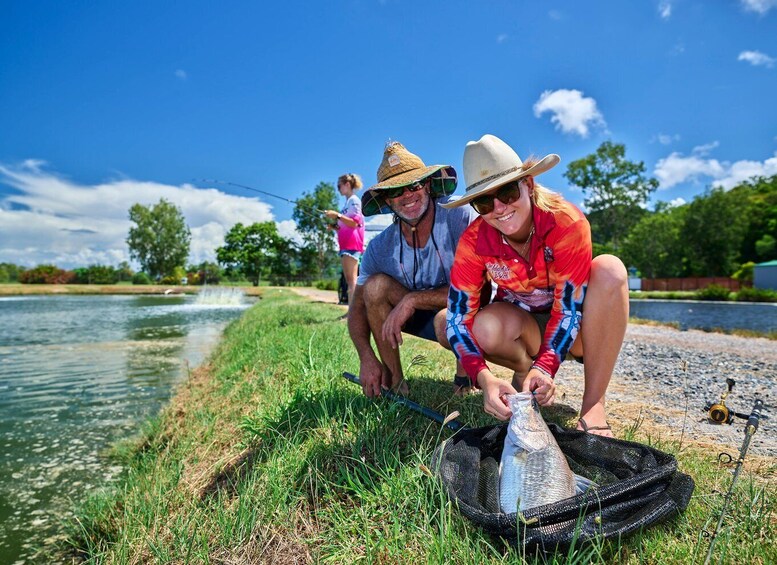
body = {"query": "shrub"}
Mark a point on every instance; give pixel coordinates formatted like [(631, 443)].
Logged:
[(97, 274), (756, 295), (47, 274), (326, 284), (713, 292), (141, 278), (745, 273)]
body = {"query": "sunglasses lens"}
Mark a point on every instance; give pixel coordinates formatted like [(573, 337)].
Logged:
[(507, 194)]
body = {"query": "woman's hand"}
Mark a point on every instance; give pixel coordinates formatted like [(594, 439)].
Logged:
[(332, 214), (494, 390), (543, 387)]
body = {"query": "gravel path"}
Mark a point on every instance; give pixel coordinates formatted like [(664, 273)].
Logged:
[(649, 376), (649, 382)]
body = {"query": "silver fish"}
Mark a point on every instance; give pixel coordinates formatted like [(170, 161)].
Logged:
[(533, 470)]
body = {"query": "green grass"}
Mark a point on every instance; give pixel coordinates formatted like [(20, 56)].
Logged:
[(269, 455)]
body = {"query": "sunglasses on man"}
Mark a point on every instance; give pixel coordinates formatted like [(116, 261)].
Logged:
[(506, 194), (397, 191)]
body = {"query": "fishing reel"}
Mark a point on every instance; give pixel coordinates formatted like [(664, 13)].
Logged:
[(718, 412)]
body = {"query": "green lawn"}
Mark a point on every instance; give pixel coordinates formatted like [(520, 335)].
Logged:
[(268, 455)]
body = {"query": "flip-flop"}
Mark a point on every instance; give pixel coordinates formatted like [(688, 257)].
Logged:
[(587, 428)]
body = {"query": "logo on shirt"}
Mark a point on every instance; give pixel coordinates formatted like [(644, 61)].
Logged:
[(497, 271)]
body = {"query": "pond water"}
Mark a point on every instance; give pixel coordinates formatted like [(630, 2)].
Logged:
[(761, 317), (78, 373)]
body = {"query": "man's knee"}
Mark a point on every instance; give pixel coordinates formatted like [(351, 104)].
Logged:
[(376, 289), (609, 273), (440, 328)]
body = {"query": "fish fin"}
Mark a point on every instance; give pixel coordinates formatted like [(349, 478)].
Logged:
[(582, 484)]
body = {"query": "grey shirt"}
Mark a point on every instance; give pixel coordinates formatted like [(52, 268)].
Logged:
[(424, 268)]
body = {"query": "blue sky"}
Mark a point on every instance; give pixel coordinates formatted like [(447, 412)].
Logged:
[(105, 104)]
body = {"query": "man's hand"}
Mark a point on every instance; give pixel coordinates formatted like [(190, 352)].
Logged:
[(371, 376), (541, 385), (494, 390), (392, 327)]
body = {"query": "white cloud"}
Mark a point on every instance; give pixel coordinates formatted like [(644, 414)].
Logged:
[(759, 6), (675, 202), (50, 219), (181, 74), (676, 169), (571, 111), (665, 138), (665, 9), (757, 59), (501, 38), (702, 150)]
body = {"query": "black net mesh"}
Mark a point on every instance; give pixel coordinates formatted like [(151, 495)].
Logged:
[(637, 486)]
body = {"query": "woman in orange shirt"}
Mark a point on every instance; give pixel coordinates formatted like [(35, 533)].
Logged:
[(535, 248)]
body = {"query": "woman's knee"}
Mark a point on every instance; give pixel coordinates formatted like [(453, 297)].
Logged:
[(608, 273), (492, 326)]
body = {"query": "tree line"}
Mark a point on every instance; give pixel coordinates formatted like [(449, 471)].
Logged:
[(719, 233)]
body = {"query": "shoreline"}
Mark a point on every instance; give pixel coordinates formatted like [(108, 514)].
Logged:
[(119, 289)]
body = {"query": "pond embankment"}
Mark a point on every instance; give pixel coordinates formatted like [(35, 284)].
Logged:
[(267, 455)]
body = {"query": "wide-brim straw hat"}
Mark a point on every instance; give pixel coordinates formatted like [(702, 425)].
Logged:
[(489, 163), (400, 167)]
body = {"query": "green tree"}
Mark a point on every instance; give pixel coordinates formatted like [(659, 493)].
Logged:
[(312, 225), (12, 272), (124, 271), (616, 191), (160, 238), (97, 274), (251, 249), (207, 272), (713, 232), (760, 240), (654, 245)]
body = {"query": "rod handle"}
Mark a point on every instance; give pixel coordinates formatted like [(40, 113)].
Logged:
[(755, 415)]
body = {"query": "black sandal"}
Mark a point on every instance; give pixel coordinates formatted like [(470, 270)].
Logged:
[(461, 383), (587, 428)]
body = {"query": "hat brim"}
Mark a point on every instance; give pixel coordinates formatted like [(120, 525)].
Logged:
[(545, 164), (373, 203)]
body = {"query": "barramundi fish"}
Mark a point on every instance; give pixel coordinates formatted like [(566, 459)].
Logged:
[(533, 471)]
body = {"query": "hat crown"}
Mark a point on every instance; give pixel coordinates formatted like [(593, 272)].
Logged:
[(488, 158), (397, 160)]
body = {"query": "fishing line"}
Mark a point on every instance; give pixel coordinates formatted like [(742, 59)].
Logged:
[(290, 201)]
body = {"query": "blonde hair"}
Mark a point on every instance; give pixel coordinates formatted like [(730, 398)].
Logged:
[(542, 197), (353, 178)]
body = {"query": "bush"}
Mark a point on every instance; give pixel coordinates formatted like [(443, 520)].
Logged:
[(97, 274), (47, 274), (745, 273), (713, 292), (141, 278), (756, 295), (326, 284)]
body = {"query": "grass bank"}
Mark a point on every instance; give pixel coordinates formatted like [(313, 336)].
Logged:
[(267, 455)]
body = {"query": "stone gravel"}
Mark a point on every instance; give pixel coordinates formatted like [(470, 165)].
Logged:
[(649, 375)]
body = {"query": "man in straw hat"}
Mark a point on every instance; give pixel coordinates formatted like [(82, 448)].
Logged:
[(405, 271), (551, 300)]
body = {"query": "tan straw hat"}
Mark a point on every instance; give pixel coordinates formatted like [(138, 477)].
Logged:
[(489, 163), (400, 167)]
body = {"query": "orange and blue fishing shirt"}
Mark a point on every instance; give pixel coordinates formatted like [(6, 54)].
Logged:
[(553, 280)]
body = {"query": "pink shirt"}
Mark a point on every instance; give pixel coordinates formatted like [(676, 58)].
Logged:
[(351, 239)]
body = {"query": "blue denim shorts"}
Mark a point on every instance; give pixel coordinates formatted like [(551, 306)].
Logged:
[(351, 253)]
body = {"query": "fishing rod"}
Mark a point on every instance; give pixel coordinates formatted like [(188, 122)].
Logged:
[(750, 429), (289, 200), (453, 425)]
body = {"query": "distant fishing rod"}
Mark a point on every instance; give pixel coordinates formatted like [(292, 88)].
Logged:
[(453, 425), (750, 429), (289, 200)]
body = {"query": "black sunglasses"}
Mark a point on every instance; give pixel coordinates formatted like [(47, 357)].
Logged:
[(398, 191), (507, 194)]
